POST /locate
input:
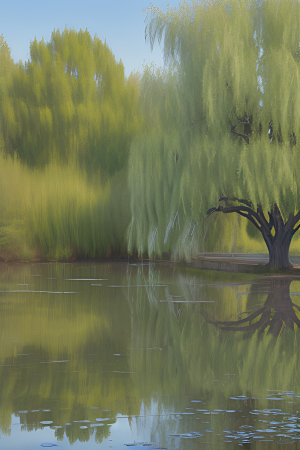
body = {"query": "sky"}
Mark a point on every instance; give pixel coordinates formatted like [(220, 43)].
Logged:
[(120, 22)]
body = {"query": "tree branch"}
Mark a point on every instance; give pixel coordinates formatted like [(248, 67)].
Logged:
[(271, 221), (296, 229), (250, 214), (233, 127), (256, 218), (245, 209), (296, 219), (247, 216), (264, 220)]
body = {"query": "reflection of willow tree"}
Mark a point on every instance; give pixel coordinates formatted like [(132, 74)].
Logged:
[(37, 330), (277, 313), (155, 335), (179, 354)]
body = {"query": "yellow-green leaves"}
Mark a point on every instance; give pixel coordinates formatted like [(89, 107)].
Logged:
[(231, 102), (71, 101)]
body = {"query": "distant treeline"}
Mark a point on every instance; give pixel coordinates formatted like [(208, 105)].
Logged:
[(70, 102), (67, 119)]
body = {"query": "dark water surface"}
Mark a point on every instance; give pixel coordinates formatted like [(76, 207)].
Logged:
[(112, 355)]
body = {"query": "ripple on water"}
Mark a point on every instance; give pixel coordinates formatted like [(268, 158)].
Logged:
[(48, 444), (190, 435)]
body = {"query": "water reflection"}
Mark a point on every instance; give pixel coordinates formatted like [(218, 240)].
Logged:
[(115, 354), (277, 313), (59, 354)]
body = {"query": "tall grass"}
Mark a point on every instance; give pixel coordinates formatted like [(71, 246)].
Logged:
[(59, 212)]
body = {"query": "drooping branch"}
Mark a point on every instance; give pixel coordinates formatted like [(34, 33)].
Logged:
[(244, 209)]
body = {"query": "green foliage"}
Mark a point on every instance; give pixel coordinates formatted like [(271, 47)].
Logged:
[(234, 70), (204, 353), (55, 327), (71, 102), (69, 107), (7, 69), (173, 355), (59, 213)]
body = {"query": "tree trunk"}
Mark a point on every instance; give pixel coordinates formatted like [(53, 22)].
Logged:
[(279, 253), (276, 232), (279, 244)]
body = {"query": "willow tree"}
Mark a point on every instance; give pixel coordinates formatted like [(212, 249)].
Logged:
[(237, 66)]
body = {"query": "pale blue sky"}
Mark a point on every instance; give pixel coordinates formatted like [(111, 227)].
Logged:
[(120, 22)]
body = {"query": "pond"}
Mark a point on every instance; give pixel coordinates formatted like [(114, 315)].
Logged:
[(119, 355)]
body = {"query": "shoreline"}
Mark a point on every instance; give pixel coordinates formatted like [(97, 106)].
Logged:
[(240, 263), (213, 261)]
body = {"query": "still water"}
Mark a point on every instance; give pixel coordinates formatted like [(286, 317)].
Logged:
[(117, 355)]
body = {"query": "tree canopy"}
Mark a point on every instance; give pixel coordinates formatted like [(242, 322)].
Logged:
[(67, 118), (70, 101), (235, 131)]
